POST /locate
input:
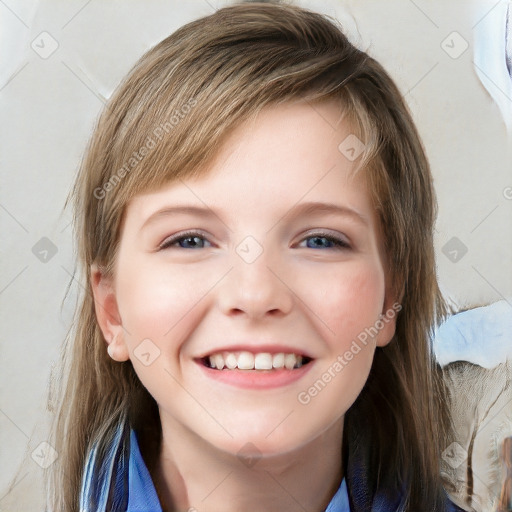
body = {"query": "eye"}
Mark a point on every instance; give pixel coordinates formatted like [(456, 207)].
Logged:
[(188, 240), (324, 241)]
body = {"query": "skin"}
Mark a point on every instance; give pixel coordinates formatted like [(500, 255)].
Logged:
[(300, 291)]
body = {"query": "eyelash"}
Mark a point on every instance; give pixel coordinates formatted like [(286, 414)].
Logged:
[(338, 243), (168, 242)]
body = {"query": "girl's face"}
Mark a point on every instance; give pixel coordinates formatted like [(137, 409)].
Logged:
[(273, 258)]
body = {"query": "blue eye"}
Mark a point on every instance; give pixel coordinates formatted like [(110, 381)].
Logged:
[(324, 241), (196, 240), (191, 240)]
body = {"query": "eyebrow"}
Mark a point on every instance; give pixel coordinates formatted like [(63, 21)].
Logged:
[(167, 211), (298, 210), (317, 207)]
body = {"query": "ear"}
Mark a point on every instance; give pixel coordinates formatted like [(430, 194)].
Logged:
[(387, 322), (107, 314)]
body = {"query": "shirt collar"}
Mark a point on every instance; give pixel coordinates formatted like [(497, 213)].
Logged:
[(143, 497), (339, 502)]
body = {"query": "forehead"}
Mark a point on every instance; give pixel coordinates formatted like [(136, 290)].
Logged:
[(284, 153)]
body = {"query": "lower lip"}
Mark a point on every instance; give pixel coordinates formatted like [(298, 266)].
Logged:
[(257, 379)]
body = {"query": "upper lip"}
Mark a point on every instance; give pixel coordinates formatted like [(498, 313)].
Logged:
[(257, 348)]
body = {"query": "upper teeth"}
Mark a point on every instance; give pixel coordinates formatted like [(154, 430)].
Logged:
[(250, 361)]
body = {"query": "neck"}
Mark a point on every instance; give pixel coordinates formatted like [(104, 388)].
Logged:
[(191, 474)]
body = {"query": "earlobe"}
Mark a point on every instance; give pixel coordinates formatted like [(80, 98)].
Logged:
[(117, 350), (386, 324), (107, 313)]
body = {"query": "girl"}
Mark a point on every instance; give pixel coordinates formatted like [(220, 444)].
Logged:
[(254, 218)]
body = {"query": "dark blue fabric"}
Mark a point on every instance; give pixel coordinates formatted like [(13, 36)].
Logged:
[(116, 479)]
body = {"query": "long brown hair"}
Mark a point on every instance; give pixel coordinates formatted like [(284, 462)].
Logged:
[(179, 103)]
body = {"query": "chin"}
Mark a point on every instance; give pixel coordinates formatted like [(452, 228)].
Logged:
[(266, 442)]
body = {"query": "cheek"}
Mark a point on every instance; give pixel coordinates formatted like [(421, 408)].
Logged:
[(159, 310), (158, 304), (350, 306), (348, 300)]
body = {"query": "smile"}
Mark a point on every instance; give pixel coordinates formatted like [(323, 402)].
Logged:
[(244, 360)]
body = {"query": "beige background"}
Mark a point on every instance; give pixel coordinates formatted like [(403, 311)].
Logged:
[(48, 107)]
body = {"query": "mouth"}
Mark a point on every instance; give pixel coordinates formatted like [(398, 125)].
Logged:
[(242, 367), (254, 362)]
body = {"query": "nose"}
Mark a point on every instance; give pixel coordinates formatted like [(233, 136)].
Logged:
[(256, 289)]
